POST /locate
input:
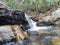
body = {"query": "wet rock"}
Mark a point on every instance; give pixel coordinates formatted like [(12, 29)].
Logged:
[(1, 43), (56, 41), (34, 18), (46, 42), (44, 23), (11, 17)]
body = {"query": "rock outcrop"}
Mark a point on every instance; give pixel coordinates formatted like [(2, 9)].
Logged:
[(52, 19)]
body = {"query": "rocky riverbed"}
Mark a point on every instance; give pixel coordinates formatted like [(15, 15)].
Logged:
[(49, 36), (41, 37)]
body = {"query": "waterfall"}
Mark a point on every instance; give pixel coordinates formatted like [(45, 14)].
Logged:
[(33, 26)]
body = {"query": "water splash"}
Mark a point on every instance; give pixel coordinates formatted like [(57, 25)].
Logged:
[(33, 26)]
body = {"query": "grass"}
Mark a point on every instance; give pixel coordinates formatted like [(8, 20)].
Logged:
[(32, 5)]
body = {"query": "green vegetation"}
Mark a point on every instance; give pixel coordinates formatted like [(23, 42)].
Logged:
[(32, 5)]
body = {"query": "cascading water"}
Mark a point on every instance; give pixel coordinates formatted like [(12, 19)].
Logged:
[(33, 26)]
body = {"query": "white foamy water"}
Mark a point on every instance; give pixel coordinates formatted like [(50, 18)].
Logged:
[(33, 26)]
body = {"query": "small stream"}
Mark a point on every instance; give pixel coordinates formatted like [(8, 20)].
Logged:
[(43, 35), (33, 26), (38, 35)]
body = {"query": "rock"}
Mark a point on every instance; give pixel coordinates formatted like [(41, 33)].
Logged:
[(53, 19), (35, 19), (57, 22), (44, 23), (54, 15), (3, 5), (6, 32), (56, 41)]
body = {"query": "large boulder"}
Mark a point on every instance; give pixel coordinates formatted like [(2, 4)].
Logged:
[(53, 18), (54, 15)]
